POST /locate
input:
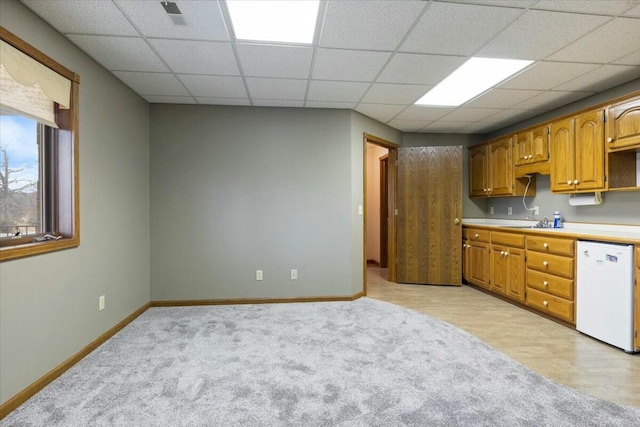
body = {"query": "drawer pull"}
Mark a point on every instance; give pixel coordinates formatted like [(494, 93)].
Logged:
[(545, 303), (477, 235), (545, 283), (506, 253), (545, 263), (609, 139), (546, 245), (575, 181), (569, 182)]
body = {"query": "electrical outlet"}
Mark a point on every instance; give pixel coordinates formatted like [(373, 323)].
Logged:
[(101, 303), (258, 274), (490, 210), (509, 210), (536, 210), (294, 274)]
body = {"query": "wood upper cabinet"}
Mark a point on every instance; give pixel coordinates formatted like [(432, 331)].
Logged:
[(577, 153), (478, 170), (531, 146), (501, 167), (623, 129)]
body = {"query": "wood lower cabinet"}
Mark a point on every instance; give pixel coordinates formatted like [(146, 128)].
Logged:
[(508, 265), (550, 269), (478, 258), (637, 300)]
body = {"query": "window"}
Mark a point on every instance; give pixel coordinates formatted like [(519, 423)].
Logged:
[(38, 152)]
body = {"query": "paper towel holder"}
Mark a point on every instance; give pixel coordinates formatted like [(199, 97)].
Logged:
[(586, 199)]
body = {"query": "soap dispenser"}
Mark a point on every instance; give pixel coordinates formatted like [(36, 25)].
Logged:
[(557, 220)]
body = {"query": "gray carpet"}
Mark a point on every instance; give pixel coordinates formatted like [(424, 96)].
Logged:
[(361, 363)]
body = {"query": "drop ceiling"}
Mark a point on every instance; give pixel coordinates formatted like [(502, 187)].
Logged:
[(375, 57)]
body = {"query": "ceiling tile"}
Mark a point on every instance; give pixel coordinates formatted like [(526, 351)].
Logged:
[(550, 100), (631, 59), (470, 114), (161, 99), (512, 115), (387, 93), (214, 86), (604, 44), (277, 103), (320, 90), (506, 3), (444, 127), (334, 105), (203, 20), (416, 112), (479, 127), (547, 75), (380, 112), (86, 17), (120, 53), (222, 101), (197, 57), (604, 7), (152, 83), (633, 12), (457, 29), (502, 98), (537, 34), (260, 60), (408, 125), (352, 65), (378, 25), (276, 89), (419, 69), (603, 78)]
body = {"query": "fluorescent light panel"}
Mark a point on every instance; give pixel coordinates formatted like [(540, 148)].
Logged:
[(471, 79), (274, 21)]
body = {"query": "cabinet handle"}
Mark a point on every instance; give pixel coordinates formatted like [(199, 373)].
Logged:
[(545, 283), (546, 245), (545, 303), (610, 139), (477, 235), (530, 156), (569, 182), (506, 253), (545, 263), (575, 181)]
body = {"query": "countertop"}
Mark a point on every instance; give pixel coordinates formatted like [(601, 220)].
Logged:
[(629, 234)]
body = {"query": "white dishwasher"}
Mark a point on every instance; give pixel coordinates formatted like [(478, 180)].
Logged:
[(605, 293)]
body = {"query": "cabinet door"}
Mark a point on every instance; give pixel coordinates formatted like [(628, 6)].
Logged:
[(563, 156), (499, 269), (501, 167), (624, 125), (522, 148), (479, 264), (465, 259), (589, 150), (539, 145), (478, 164), (516, 282)]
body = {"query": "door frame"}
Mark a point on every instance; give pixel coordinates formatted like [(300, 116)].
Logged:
[(391, 205), (384, 207)]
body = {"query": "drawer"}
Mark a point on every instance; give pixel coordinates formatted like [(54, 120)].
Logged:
[(514, 240), (552, 284), (476, 235), (552, 264), (554, 306), (551, 245)]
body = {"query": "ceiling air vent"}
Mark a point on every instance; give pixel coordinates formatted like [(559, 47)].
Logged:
[(173, 12)]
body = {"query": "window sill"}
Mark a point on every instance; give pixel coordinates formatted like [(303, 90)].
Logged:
[(36, 248)]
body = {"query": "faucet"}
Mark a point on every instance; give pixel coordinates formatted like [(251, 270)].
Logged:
[(543, 224)]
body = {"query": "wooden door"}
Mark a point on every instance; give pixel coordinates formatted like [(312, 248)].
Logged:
[(499, 269), (429, 203), (562, 146), (624, 125), (478, 170), (501, 167), (539, 144), (516, 280), (590, 150), (478, 264)]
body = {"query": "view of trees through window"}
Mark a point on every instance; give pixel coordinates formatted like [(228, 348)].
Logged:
[(20, 211)]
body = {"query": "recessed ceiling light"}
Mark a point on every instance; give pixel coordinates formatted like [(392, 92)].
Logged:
[(471, 79), (274, 21)]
